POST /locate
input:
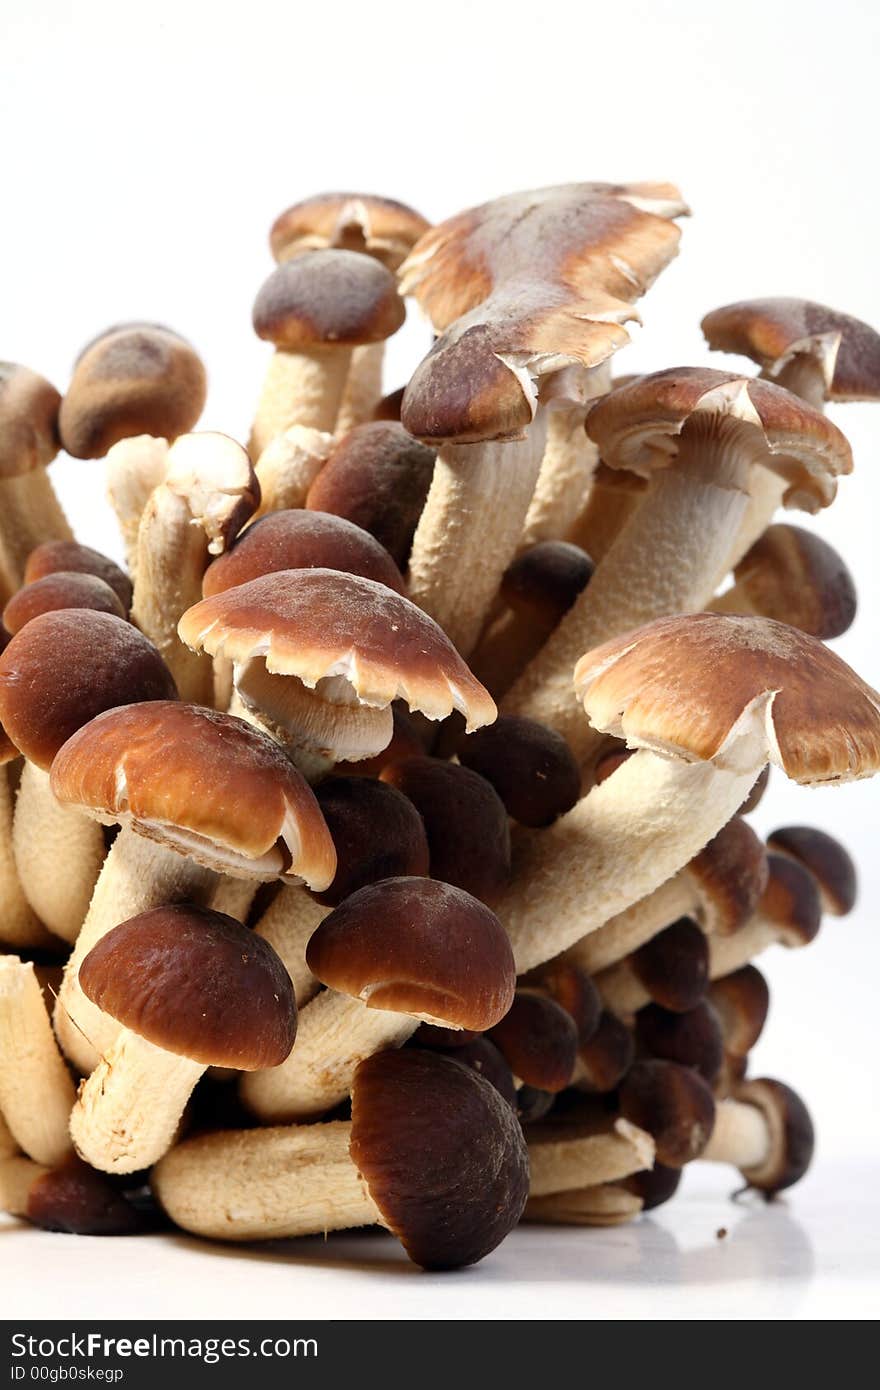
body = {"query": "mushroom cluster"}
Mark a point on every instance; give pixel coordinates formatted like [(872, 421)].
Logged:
[(375, 846)]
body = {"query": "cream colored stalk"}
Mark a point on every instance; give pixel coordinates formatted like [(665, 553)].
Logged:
[(36, 1091)]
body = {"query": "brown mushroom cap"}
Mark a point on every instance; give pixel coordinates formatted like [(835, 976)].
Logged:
[(203, 783), (730, 874), (65, 667), (364, 222), (465, 821), (328, 299), (825, 858), (653, 1186), (134, 379), (417, 946), (791, 901), (673, 1104), (574, 990), (442, 1154), (29, 406), (389, 406), (196, 983), (796, 577), (483, 1057), (377, 832), (741, 1002), (544, 581), (530, 766), (693, 1039), (792, 1138), (79, 1201), (72, 557), (377, 476), (300, 540), (686, 685), (59, 591), (756, 794), (673, 966), (532, 1104), (539, 1039), (773, 331), (318, 622), (606, 1056)]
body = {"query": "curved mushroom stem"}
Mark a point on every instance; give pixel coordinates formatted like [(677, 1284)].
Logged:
[(729, 953), (289, 465), (19, 925), (567, 465), (630, 929), (612, 498), (264, 1184), (334, 1035), (128, 1111), (58, 853), (134, 468), (17, 1177), (300, 388), (605, 1205), (30, 514), (741, 1135), (563, 1161), (36, 1092), (363, 386), (768, 490), (287, 925), (233, 896), (138, 874)]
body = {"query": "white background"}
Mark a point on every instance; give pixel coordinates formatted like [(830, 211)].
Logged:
[(146, 150)]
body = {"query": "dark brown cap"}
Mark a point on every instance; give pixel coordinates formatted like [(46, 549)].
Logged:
[(196, 983), (741, 1002), (63, 668), (442, 1154), (71, 556), (59, 591), (377, 832), (364, 222), (389, 406), (791, 901), (134, 379), (539, 1039), (532, 1104), (673, 1104), (486, 1060), (77, 1200), (572, 988), (544, 581), (465, 820), (205, 784), (673, 967), (794, 576), (464, 392), (377, 476), (687, 684), (606, 1057), (756, 794), (432, 1036), (530, 766), (653, 1186), (328, 299), (729, 875), (693, 1039), (420, 947), (825, 858), (791, 1134), (29, 406)]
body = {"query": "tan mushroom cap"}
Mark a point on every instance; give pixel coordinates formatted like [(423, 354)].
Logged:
[(637, 426), (320, 623), (794, 576), (134, 379), (202, 783), (327, 299), (773, 331), (364, 222), (730, 875), (691, 685), (29, 406)]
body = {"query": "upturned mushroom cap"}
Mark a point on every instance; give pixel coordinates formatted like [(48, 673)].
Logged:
[(76, 1200), (377, 833), (792, 1138), (673, 966), (692, 1039), (442, 1154), (465, 821), (606, 1056), (729, 874), (791, 901), (420, 947), (64, 668), (530, 766), (328, 299), (653, 1186), (138, 378), (539, 1039), (637, 427), (202, 783), (29, 406), (196, 983), (301, 540), (692, 686), (59, 591), (364, 222), (574, 990), (318, 623), (214, 475), (773, 331), (74, 558), (796, 577), (741, 1002), (825, 858), (544, 581), (378, 476), (673, 1104)]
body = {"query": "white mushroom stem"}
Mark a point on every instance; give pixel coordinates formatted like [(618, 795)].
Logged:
[(264, 1184), (36, 1091), (621, 989), (740, 1136), (134, 468), (606, 511), (768, 490), (334, 1035), (363, 386), (300, 388), (234, 896), (606, 1205), (566, 1162), (289, 465), (58, 852), (630, 929), (19, 924), (470, 529), (805, 375), (729, 953), (138, 874), (569, 459), (30, 514), (17, 1176), (128, 1111), (287, 925)]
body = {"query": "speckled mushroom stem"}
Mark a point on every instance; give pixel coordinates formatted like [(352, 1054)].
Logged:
[(287, 925), (630, 929), (470, 529), (300, 388), (36, 1091), (47, 833), (30, 514), (128, 1111), (138, 874), (334, 1035), (288, 466), (740, 1137), (363, 386), (265, 1184), (567, 465), (605, 1205), (134, 468), (19, 924), (564, 1162)]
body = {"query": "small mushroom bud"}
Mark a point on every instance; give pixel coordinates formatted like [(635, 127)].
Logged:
[(605, 1058), (673, 1104), (672, 969), (766, 1132), (653, 1186), (377, 833), (71, 1198), (72, 557), (58, 591), (825, 858), (693, 1039), (539, 1039), (531, 768)]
